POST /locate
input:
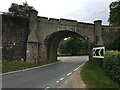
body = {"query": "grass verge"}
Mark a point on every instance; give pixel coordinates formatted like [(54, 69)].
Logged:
[(0, 67), (14, 65), (95, 77)]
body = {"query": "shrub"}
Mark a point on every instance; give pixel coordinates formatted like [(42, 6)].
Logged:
[(111, 65)]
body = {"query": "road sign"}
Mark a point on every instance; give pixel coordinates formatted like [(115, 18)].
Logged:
[(98, 52)]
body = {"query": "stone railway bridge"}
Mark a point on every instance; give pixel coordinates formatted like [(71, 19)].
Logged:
[(39, 45)]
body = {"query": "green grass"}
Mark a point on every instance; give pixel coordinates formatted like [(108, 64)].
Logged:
[(95, 77), (14, 65), (0, 67)]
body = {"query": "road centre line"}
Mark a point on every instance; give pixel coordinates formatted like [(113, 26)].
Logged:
[(69, 73), (61, 79), (46, 88), (76, 69), (57, 81)]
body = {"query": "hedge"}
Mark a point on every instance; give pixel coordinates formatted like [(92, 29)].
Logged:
[(111, 65)]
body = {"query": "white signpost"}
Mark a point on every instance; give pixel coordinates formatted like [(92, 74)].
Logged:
[(98, 52)]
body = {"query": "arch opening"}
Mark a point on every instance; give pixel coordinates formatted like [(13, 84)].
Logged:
[(53, 40), (72, 46)]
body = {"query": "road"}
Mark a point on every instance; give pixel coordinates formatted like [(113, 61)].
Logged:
[(51, 76)]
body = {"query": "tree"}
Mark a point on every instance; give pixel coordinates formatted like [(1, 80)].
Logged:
[(62, 47), (20, 10), (115, 45), (72, 46), (114, 17)]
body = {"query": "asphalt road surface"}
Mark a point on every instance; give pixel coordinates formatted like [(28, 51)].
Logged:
[(51, 76)]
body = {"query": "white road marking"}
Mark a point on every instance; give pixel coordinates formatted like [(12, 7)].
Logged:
[(61, 79), (76, 69), (79, 66), (57, 81), (69, 73), (82, 64), (47, 88)]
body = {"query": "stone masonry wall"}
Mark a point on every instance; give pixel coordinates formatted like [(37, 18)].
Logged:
[(14, 37), (109, 34)]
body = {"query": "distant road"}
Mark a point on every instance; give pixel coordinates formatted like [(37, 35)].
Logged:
[(50, 76)]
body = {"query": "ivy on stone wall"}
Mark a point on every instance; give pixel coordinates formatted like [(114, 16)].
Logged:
[(20, 21), (14, 37)]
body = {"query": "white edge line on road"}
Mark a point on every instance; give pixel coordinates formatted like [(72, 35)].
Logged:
[(61, 79), (29, 69), (69, 73), (80, 66)]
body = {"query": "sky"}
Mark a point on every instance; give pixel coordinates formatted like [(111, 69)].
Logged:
[(81, 10)]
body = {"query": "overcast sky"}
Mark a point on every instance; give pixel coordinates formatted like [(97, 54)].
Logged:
[(81, 10)]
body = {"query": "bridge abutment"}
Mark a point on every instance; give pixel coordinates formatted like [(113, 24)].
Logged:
[(42, 54), (98, 33), (32, 52), (99, 40), (32, 42)]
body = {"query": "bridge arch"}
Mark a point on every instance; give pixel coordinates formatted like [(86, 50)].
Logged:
[(52, 41), (38, 33), (46, 34)]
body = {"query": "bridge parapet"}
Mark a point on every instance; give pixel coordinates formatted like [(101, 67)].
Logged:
[(65, 22), (42, 19), (68, 22), (53, 21), (111, 27), (86, 25)]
